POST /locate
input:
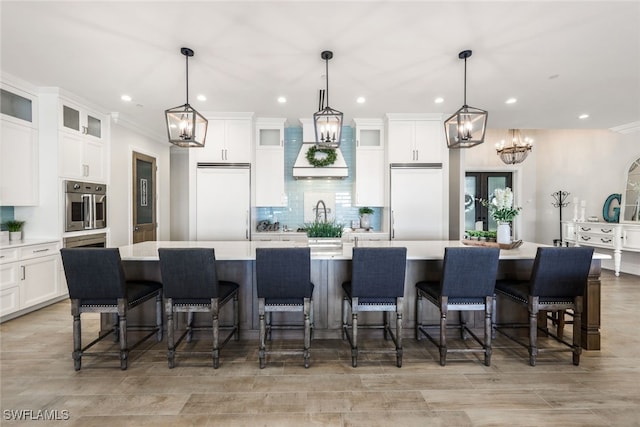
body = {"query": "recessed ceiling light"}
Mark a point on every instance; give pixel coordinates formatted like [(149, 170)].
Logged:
[(201, 97), (511, 101), (361, 100), (439, 100), (126, 98), (282, 99), (583, 116)]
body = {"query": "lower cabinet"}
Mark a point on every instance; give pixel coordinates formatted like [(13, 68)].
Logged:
[(29, 277)]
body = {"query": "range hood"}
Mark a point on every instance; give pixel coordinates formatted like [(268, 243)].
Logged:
[(302, 169)]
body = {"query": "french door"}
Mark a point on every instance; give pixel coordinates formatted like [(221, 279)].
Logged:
[(481, 185)]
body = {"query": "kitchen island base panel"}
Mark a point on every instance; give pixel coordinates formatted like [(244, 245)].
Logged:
[(328, 276)]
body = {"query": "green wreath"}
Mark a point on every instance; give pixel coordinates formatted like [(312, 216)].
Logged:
[(319, 163)]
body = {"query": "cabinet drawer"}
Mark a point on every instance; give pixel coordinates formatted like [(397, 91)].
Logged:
[(596, 229), (8, 255), (596, 239), (35, 251)]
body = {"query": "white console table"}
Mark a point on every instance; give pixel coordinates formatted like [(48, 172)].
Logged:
[(617, 237)]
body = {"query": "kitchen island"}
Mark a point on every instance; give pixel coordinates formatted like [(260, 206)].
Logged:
[(332, 266)]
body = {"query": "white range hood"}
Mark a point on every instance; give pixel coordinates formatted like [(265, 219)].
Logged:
[(302, 169)]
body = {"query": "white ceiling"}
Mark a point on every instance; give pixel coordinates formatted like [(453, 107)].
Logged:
[(559, 59)]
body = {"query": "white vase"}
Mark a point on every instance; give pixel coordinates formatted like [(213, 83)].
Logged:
[(15, 236), (365, 221), (504, 233)]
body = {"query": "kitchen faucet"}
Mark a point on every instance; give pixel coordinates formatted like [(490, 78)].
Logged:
[(317, 209)]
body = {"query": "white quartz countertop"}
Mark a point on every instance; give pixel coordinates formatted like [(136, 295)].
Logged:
[(246, 250), (26, 242)]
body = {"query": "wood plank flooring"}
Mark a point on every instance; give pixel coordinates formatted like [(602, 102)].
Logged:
[(36, 372)]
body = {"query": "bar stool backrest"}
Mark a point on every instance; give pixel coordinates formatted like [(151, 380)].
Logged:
[(469, 272), (561, 272), (283, 273), (188, 273), (378, 272), (94, 273)]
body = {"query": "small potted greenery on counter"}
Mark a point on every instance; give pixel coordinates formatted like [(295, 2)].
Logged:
[(15, 229), (365, 220)]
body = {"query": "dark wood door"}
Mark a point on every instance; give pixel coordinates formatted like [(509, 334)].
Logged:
[(144, 198)]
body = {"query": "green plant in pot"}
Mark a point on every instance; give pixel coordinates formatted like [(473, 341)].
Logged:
[(365, 220), (323, 229), (15, 229)]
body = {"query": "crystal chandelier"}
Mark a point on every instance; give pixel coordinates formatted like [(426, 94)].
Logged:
[(517, 151)]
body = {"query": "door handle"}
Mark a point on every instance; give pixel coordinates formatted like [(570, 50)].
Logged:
[(24, 272), (393, 230)]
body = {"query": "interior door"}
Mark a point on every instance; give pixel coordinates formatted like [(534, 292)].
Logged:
[(144, 198), (481, 185), (223, 202), (416, 203)]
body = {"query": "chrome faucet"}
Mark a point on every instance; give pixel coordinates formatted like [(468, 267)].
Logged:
[(317, 209)]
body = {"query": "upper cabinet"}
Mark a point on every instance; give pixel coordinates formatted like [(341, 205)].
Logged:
[(415, 138), (370, 171), (18, 148), (228, 140), (82, 149), (77, 119), (269, 139)]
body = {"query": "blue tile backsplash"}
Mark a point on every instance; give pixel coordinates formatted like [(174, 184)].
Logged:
[(6, 214), (293, 215)]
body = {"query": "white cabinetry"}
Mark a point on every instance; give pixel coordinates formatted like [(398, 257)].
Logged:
[(82, 148), (622, 237), (370, 171), (29, 277), (415, 139), (228, 141), (18, 149), (270, 163)]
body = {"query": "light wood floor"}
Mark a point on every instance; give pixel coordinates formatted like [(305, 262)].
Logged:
[(37, 374)]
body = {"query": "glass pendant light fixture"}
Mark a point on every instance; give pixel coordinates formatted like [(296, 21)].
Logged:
[(185, 126), (327, 121), (517, 151), (466, 128)]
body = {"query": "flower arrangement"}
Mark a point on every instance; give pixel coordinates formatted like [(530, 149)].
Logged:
[(501, 206)]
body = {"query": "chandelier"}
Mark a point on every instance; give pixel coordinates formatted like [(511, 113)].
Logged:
[(185, 126), (466, 127), (327, 121), (517, 151)]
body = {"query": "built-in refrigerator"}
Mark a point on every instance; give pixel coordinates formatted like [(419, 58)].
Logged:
[(223, 200), (417, 201)]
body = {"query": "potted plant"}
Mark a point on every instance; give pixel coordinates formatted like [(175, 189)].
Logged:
[(324, 234), (365, 220), (503, 212), (15, 229)]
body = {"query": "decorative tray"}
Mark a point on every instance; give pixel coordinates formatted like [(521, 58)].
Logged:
[(512, 245)]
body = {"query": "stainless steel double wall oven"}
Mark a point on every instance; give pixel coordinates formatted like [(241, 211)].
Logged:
[(85, 206)]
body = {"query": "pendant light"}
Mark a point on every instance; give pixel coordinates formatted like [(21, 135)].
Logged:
[(465, 128), (517, 151), (327, 121), (185, 126)]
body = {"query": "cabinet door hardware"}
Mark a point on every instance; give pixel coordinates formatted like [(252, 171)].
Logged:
[(24, 272), (40, 250)]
